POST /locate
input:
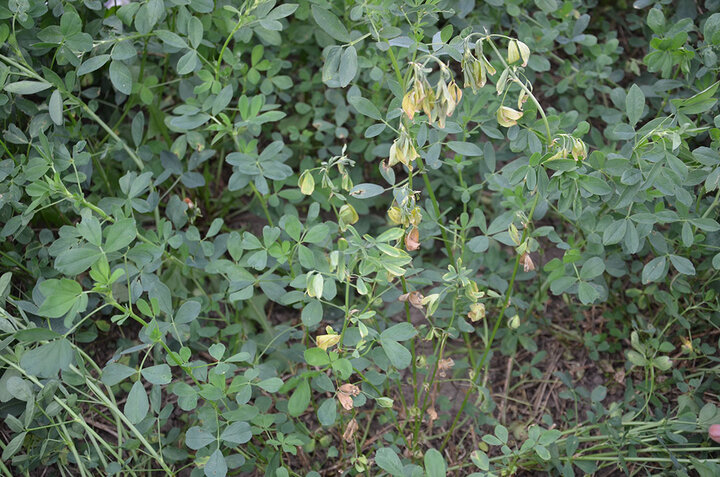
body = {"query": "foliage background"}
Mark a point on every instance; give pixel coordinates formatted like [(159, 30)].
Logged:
[(191, 192)]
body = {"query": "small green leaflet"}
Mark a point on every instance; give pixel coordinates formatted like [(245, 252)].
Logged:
[(331, 24)]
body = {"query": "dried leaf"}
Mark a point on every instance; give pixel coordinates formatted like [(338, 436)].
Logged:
[(412, 240), (350, 429)]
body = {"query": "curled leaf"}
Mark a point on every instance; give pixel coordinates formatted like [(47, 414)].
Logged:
[(415, 298), (477, 312), (508, 116), (517, 50), (327, 341)]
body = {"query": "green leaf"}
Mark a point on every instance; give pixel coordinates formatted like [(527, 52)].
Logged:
[(217, 351), (465, 148), (399, 332), (187, 312), (682, 265), (594, 185), (634, 104), (636, 358), (92, 64), (300, 399), (654, 270), (663, 363), (237, 433), (187, 63), (47, 360), (699, 103), (366, 190), (587, 293), (196, 438), (77, 260), (501, 433), (216, 465), (61, 295), (13, 446), (388, 460), (435, 464), (137, 404), (115, 373), (19, 388), (171, 39), (119, 235), (615, 232), (707, 224), (159, 374), (656, 20), (27, 87), (312, 314), (598, 394), (316, 234), (271, 385), (348, 66), (327, 412), (542, 452), (398, 355), (316, 357), (480, 459), (55, 108), (330, 24), (120, 77), (592, 268), (365, 107)]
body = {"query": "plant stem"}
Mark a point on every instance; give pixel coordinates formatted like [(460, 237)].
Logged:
[(488, 345)]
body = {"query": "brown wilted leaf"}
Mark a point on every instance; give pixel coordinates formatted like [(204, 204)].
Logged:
[(350, 429), (412, 240), (477, 312), (345, 395), (444, 365), (528, 264), (415, 298), (350, 389), (345, 401)]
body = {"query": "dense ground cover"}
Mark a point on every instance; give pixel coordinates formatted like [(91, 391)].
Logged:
[(405, 238)]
